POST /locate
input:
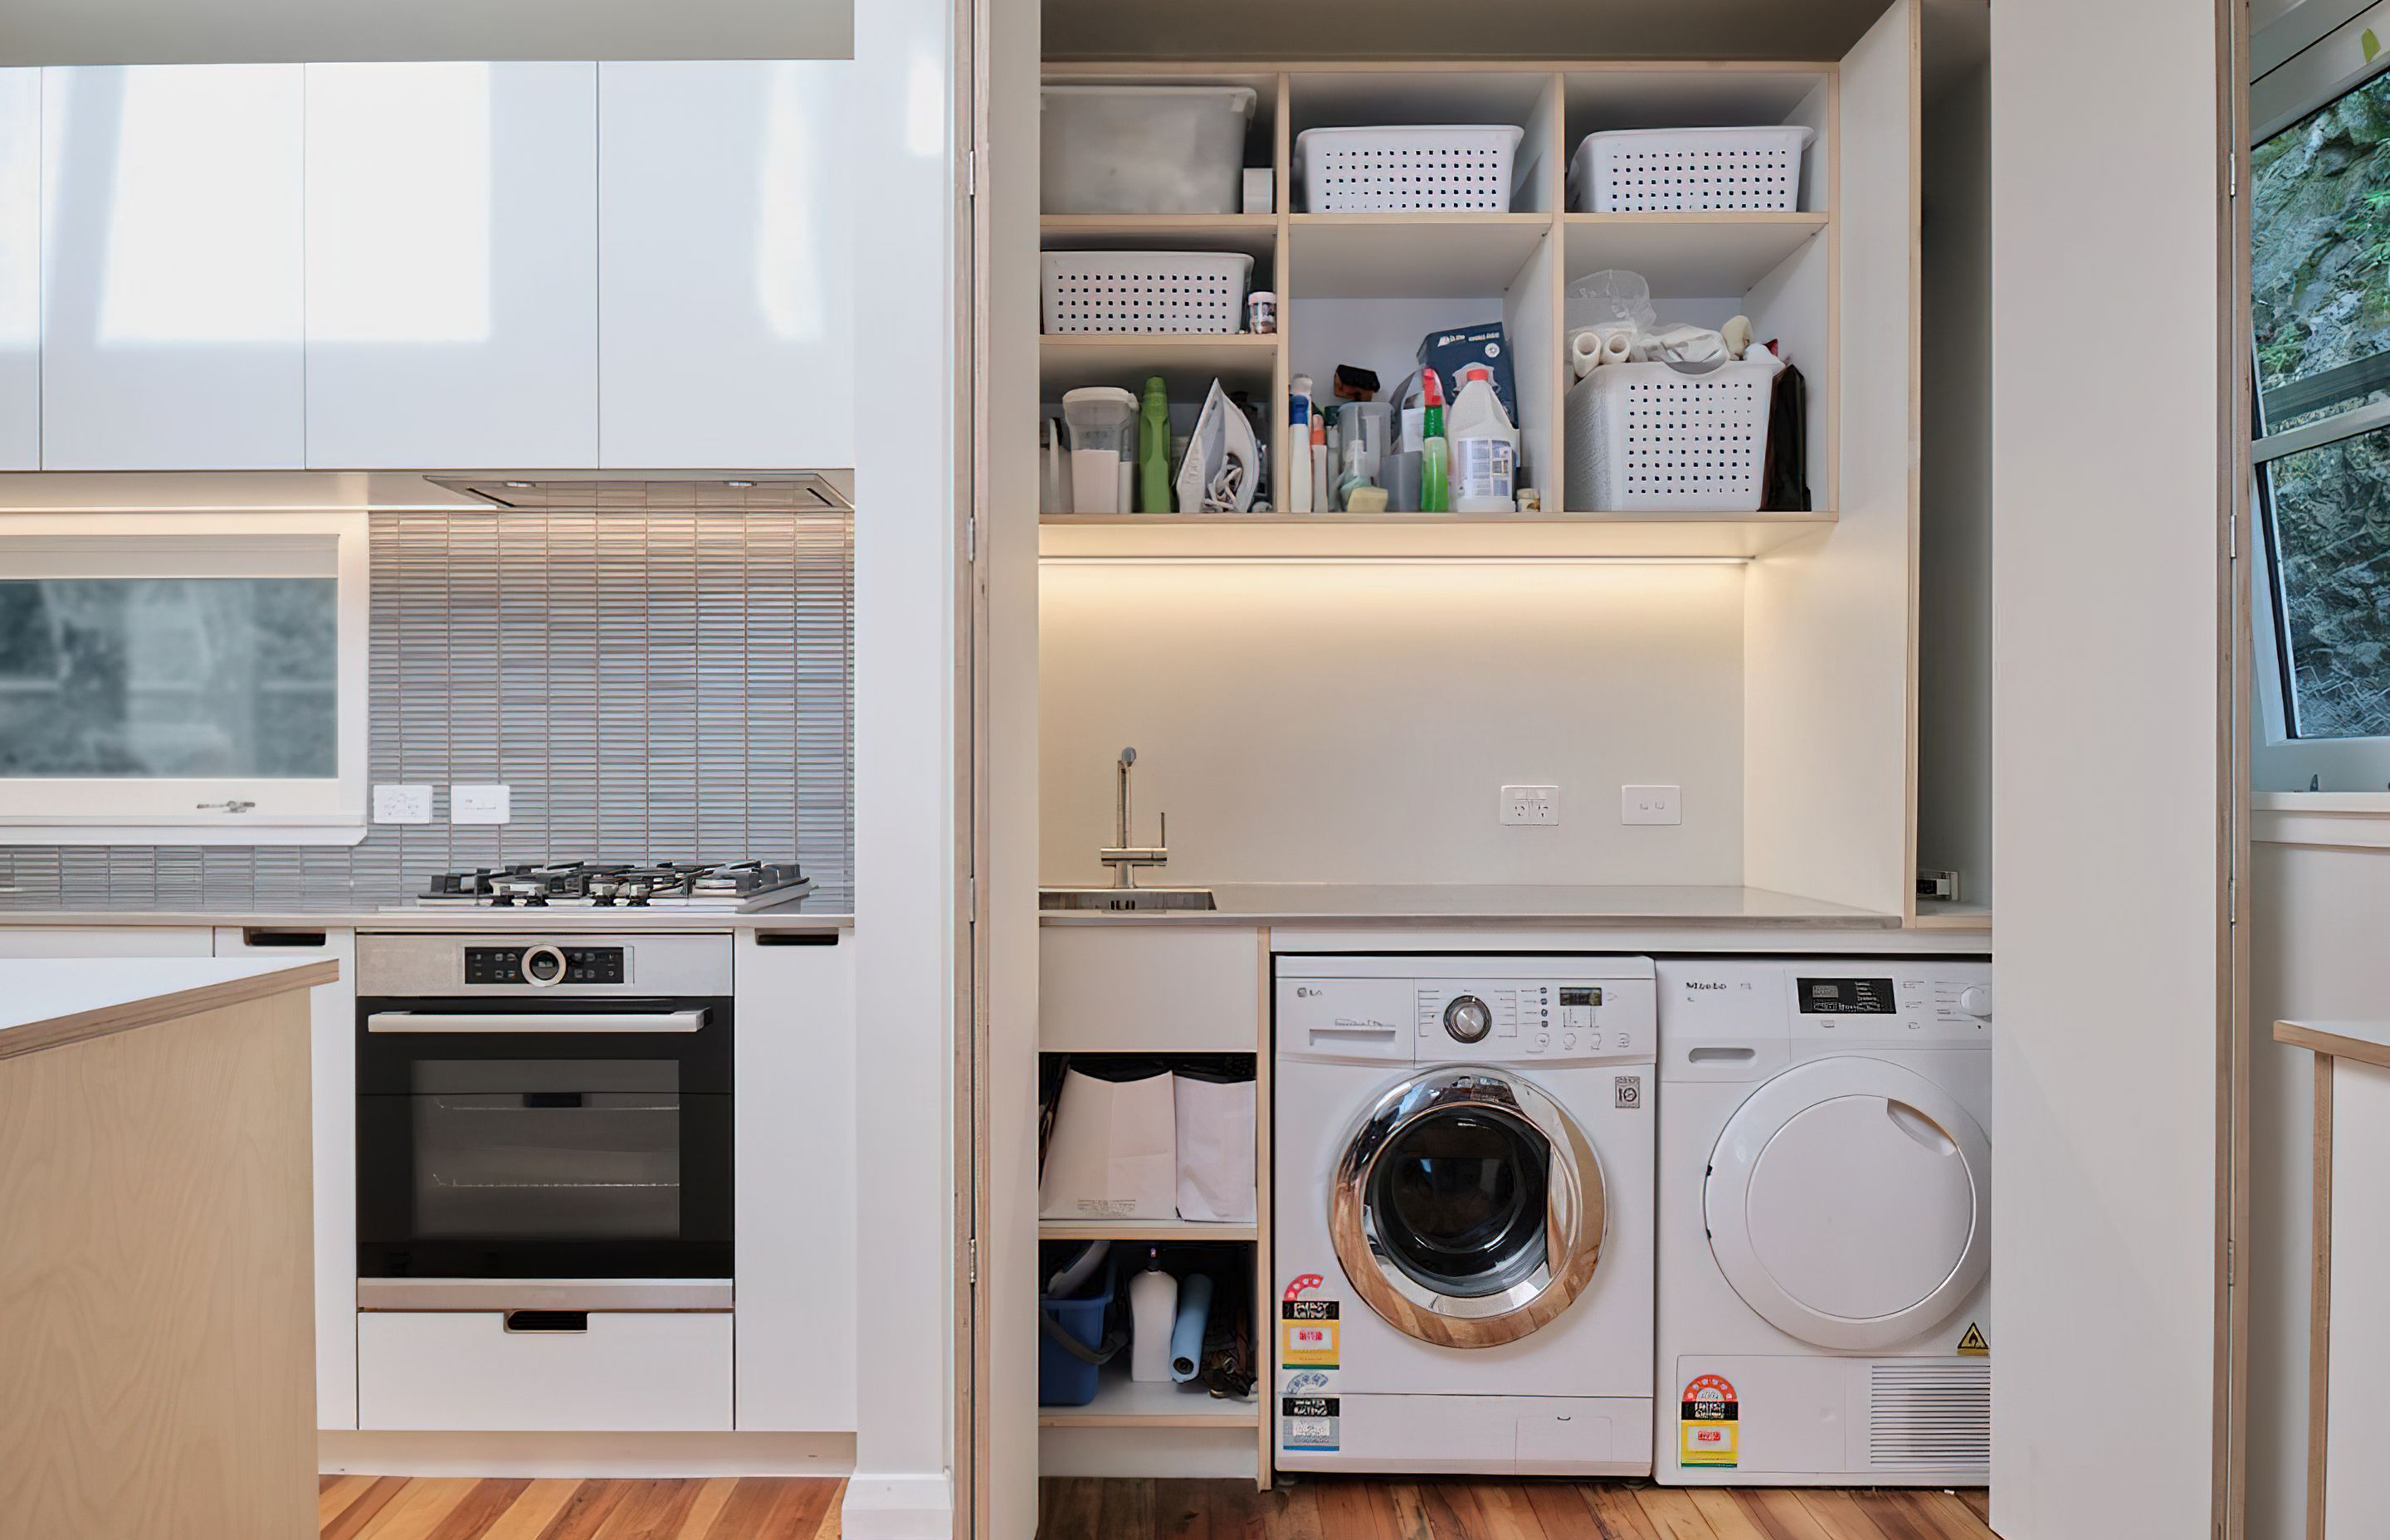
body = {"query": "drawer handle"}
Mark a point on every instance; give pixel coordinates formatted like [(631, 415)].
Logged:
[(258, 936), (1722, 1056), (547, 1321)]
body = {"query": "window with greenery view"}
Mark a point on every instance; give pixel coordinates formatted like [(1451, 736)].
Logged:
[(2319, 268)]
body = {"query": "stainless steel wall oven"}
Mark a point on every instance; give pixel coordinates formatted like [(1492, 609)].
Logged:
[(544, 1121)]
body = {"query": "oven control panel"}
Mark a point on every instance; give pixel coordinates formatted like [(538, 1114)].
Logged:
[(545, 964)]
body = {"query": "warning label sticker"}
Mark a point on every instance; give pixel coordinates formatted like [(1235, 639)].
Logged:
[(1973, 1344), (1307, 1422), (1707, 1424), (1308, 1333)]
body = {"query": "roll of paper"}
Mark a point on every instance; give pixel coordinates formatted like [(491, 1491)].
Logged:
[(1617, 346), (1584, 351), (1187, 1333)]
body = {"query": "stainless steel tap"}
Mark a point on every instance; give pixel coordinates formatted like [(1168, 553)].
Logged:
[(1120, 856)]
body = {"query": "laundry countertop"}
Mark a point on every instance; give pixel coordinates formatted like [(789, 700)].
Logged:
[(1429, 902)]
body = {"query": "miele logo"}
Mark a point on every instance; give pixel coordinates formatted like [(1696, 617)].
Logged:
[(1698, 984)]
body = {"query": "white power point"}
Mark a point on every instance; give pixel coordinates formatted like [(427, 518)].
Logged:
[(1649, 804), (402, 804), (1531, 804), (481, 805)]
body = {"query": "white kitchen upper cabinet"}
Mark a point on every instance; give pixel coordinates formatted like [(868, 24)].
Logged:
[(20, 269), (725, 230), (171, 298), (452, 264)]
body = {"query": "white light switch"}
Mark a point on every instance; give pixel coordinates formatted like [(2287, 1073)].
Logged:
[(1531, 804), (402, 804), (1649, 804), (481, 805)]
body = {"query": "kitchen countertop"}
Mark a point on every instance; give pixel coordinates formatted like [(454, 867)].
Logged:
[(1369, 903), (50, 1003), (805, 914)]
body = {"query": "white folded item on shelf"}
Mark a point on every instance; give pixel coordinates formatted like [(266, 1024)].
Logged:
[(1114, 1153), (1215, 1149)]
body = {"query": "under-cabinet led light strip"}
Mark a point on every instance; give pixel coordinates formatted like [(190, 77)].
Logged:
[(1396, 560)]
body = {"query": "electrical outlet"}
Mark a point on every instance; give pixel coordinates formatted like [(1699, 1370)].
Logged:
[(481, 805), (1531, 804), (1649, 804), (402, 804)]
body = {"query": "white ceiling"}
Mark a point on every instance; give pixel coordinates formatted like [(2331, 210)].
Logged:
[(1806, 29), (275, 32)]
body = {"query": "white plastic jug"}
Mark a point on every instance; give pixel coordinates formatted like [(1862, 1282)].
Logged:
[(1484, 446), (1099, 418), (1152, 1311)]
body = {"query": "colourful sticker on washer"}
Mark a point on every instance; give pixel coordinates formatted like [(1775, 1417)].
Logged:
[(1307, 1422), (1707, 1424), (1972, 1345), (1307, 1333)]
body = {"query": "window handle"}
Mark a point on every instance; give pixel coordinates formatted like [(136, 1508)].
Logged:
[(230, 804)]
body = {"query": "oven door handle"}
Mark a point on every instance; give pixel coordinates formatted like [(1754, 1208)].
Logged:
[(535, 1021)]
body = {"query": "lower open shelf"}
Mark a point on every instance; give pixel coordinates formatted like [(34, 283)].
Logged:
[(1123, 1403)]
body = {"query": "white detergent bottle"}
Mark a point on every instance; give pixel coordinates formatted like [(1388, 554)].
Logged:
[(1152, 1311), (1484, 446)]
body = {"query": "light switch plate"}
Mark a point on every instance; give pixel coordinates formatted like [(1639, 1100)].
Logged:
[(1649, 804), (402, 804), (481, 805), (1531, 804)]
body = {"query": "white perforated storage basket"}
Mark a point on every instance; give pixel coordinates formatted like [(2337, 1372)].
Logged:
[(1661, 436), (1390, 169), (1640, 170), (1146, 291)]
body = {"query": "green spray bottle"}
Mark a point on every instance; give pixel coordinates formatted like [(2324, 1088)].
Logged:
[(1435, 464), (1153, 448)]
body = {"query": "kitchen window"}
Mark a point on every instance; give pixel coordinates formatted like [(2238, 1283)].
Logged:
[(183, 679), (2319, 183)]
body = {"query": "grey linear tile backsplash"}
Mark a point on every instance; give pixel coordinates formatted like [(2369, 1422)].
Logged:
[(675, 685)]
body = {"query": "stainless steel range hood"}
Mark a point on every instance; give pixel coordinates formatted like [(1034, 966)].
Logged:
[(779, 492)]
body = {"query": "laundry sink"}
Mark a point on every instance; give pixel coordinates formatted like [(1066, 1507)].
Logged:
[(1125, 899)]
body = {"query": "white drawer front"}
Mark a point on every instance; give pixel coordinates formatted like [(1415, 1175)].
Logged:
[(1148, 989), (463, 1371)]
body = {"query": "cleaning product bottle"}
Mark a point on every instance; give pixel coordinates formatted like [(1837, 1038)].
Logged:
[(1323, 485), (1484, 446), (1298, 437), (1153, 448), (1152, 1311), (1435, 487)]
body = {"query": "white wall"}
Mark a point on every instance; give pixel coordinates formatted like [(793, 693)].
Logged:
[(1954, 768), (2107, 773), (904, 746), (272, 32), (2315, 953), (1356, 723)]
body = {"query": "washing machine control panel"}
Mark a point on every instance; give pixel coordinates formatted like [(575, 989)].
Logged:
[(1535, 1021), (1899, 1002)]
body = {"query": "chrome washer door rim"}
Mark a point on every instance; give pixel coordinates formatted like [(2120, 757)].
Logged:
[(1577, 1216)]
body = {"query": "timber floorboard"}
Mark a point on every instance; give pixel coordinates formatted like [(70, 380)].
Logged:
[(724, 1508)]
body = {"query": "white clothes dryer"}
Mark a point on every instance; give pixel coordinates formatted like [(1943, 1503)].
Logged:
[(1462, 1213), (1825, 1222)]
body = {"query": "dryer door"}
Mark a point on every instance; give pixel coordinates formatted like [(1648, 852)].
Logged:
[(1468, 1207), (1849, 1202)]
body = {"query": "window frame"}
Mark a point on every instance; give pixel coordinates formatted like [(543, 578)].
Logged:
[(2316, 72), (332, 809)]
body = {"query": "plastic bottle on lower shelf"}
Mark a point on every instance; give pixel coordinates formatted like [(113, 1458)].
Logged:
[(1153, 1313)]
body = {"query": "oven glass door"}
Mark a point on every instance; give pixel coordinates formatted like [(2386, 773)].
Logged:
[(591, 1141)]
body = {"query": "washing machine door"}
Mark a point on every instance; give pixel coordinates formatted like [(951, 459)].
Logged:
[(1849, 1203), (1468, 1207)]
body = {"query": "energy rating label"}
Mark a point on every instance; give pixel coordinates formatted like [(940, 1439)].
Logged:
[(1707, 1423)]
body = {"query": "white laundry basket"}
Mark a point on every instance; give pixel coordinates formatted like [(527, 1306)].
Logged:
[(1692, 438), (1642, 170), (1461, 166), (1146, 291)]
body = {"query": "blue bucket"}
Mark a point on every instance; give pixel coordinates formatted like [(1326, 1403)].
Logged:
[(1064, 1378)]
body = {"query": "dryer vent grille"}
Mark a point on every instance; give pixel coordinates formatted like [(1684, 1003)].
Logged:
[(1922, 1414)]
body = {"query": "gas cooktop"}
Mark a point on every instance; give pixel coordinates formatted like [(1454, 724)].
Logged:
[(728, 886)]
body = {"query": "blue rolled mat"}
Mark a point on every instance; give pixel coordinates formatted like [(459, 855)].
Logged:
[(1186, 1332)]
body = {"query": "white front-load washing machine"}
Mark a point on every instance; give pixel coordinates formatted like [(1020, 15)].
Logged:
[(1461, 1197), (1825, 1222)]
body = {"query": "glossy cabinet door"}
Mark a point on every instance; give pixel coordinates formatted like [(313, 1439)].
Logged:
[(20, 269), (171, 242), (452, 264), (725, 233)]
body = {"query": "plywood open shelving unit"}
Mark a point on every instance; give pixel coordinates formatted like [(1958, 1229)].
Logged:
[(1779, 267)]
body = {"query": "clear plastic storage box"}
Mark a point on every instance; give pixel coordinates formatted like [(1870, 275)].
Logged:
[(1144, 149)]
